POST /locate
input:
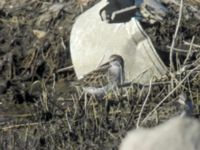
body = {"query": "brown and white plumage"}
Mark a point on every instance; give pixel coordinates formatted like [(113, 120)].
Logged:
[(112, 71), (153, 10), (104, 77), (180, 107)]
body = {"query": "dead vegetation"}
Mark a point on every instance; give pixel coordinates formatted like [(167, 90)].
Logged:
[(40, 110)]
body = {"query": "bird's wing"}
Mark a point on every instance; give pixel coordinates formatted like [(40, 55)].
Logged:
[(153, 10), (96, 78)]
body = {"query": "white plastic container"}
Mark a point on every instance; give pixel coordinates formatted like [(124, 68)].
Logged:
[(93, 41)]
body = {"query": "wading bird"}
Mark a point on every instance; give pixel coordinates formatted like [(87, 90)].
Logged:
[(105, 78)]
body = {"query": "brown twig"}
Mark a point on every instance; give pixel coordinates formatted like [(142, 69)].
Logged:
[(142, 109), (174, 37), (170, 93), (65, 69), (190, 50)]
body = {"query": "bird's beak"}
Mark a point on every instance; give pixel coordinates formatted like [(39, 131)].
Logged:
[(105, 65), (181, 102)]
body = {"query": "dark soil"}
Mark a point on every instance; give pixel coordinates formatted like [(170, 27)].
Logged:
[(39, 109)]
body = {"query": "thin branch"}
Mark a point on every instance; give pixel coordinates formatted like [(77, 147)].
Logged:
[(170, 93), (64, 69), (174, 37), (126, 84), (147, 97), (67, 119), (194, 45), (190, 50), (181, 50), (20, 125), (63, 44)]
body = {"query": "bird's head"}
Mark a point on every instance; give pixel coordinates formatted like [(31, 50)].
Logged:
[(185, 103), (114, 59)]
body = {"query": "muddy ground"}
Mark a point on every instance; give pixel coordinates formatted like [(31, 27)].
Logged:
[(39, 109)]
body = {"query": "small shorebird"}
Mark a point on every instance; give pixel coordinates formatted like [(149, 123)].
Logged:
[(104, 78), (182, 106), (153, 10)]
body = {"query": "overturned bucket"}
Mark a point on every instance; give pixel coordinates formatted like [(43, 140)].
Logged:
[(94, 41)]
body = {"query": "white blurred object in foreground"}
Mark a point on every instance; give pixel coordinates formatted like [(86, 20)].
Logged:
[(179, 133)]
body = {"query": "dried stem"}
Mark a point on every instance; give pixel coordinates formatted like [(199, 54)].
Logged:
[(190, 50), (174, 37), (170, 93), (147, 97)]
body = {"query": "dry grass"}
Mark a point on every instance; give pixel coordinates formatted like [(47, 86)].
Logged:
[(54, 115)]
